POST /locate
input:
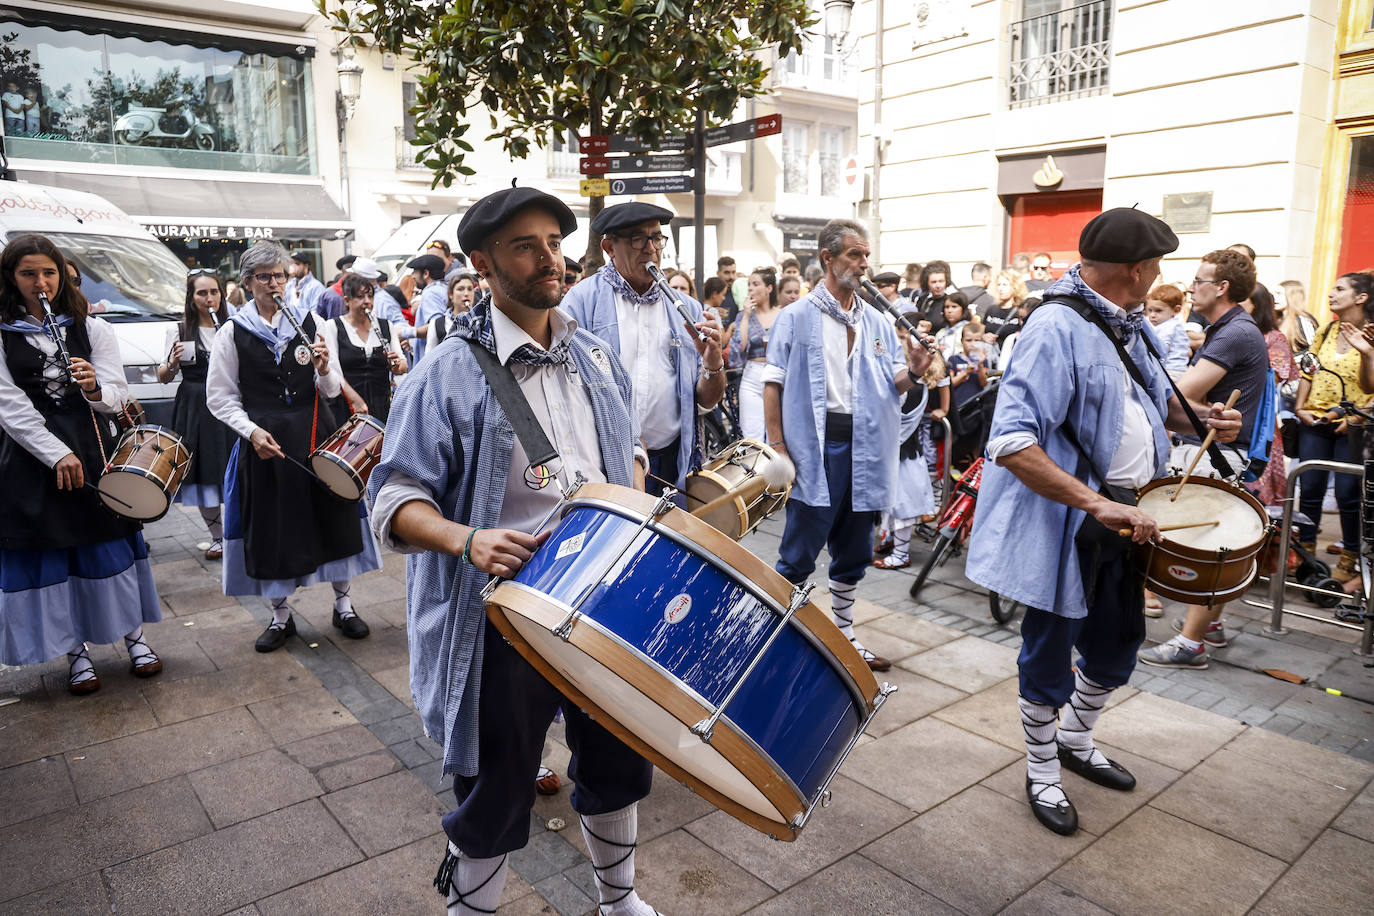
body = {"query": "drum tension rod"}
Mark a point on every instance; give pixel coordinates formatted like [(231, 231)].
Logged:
[(823, 796), (706, 727)]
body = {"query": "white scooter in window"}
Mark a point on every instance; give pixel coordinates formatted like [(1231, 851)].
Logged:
[(177, 121)]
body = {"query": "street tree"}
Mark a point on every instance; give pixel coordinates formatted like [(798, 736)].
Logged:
[(542, 68)]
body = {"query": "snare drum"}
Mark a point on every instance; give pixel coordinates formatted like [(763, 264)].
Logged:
[(654, 622), (144, 473), (737, 469), (346, 459), (1209, 563)]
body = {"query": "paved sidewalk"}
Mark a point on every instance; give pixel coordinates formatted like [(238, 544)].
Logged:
[(299, 782)]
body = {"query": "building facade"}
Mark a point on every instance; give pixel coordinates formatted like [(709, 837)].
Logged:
[(1005, 124)]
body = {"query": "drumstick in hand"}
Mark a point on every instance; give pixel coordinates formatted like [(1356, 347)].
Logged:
[(1127, 532), (1206, 444)]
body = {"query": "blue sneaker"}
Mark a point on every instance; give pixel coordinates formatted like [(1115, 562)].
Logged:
[(1173, 654)]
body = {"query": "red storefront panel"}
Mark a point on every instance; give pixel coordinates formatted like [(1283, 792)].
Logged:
[(1050, 222)]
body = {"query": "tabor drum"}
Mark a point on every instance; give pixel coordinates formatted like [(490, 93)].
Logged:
[(740, 469), (1213, 558), (145, 473), (693, 652), (345, 460)]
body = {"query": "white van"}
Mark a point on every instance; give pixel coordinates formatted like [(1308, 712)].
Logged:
[(130, 278), (415, 235)]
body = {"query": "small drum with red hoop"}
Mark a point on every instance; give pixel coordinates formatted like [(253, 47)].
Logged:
[(145, 473), (344, 461)]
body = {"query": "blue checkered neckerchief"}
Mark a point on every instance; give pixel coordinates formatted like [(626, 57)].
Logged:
[(475, 324), (622, 286), (829, 305), (1125, 324)]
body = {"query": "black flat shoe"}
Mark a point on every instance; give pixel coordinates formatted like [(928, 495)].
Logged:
[(1061, 818), (274, 637), (353, 626), (1111, 776)]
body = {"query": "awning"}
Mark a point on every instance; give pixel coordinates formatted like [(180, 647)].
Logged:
[(214, 209)]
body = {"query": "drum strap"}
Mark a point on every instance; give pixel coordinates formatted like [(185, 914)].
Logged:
[(538, 449)]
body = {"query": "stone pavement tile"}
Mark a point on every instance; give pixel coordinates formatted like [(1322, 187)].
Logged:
[(548, 853), (977, 833), (1274, 810), (1358, 818), (385, 648), (390, 731), (234, 866), (992, 713), (1229, 681), (35, 788), (677, 873), (397, 682), (397, 882), (1129, 870), (926, 762), (351, 772), (564, 895), (856, 816), (1099, 808), (41, 726), (1048, 897), (147, 757), (189, 698), (1302, 758), (49, 849), (231, 647), (1171, 733), (915, 630), (1341, 715), (670, 805), (387, 812), (252, 786), (969, 664), (1333, 876), (195, 625), (203, 598), (392, 613), (916, 696), (1257, 652), (885, 644), (81, 894), (333, 747), (857, 886), (299, 715)]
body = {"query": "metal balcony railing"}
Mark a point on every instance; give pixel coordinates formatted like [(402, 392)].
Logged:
[(405, 150), (1061, 55)]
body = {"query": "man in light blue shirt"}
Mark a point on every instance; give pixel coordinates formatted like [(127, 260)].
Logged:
[(832, 403), (303, 290), (1070, 418), (429, 279)]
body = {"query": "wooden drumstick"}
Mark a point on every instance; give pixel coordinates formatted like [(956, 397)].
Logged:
[(1127, 532), (749, 491), (1206, 444)]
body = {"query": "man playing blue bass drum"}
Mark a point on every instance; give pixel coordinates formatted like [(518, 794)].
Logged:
[(1077, 429), (454, 491)]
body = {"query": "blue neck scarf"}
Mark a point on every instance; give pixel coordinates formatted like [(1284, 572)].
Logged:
[(829, 305), (475, 324), (277, 339), (623, 287), (1071, 284)]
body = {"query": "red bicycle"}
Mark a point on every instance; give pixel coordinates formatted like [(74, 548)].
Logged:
[(955, 523)]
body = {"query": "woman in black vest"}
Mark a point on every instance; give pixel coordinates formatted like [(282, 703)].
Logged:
[(188, 355), (282, 529), (367, 364), (73, 572)]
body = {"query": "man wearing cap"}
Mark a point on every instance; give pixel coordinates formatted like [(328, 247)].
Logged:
[(572, 272), (453, 490), (429, 272), (303, 290), (673, 372), (331, 304), (887, 283), (1073, 428)]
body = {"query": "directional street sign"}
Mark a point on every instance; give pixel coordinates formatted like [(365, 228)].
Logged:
[(600, 165), (594, 165), (744, 130), (621, 143), (594, 187), (651, 184)]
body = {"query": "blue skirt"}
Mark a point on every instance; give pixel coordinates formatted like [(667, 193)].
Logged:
[(51, 600)]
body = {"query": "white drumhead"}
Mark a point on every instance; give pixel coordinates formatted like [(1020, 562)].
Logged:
[(649, 722), (133, 495), (339, 478), (1239, 525)]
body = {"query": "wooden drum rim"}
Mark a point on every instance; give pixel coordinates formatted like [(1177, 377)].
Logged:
[(1245, 551)]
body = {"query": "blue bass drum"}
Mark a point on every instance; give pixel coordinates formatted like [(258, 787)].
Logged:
[(693, 652)]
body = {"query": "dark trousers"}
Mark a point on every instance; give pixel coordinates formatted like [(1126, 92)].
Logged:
[(846, 533), (1321, 442), (663, 465), (516, 708), (1107, 639)]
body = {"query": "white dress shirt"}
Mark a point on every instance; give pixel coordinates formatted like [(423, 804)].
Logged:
[(22, 422), (222, 383), (839, 397), (646, 349)]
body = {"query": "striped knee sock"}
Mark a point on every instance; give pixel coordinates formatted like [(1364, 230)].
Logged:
[(842, 606), (1076, 731), (1040, 722), (471, 887)]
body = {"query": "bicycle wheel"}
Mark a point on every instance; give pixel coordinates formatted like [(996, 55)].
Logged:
[(937, 552), (1003, 609)]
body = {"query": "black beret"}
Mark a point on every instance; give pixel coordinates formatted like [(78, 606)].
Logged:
[(1125, 235), (344, 262), (493, 211), (622, 216), (431, 264), (887, 278), (300, 256), (571, 264)]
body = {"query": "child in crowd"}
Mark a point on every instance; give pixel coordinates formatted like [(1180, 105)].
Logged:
[(915, 496), (936, 381), (968, 373), (956, 314), (1163, 307)]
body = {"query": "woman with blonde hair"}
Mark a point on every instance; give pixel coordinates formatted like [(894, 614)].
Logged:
[(1297, 324)]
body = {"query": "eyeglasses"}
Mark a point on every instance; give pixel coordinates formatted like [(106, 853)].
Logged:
[(1198, 281), (1040, 267), (638, 241), (277, 277)]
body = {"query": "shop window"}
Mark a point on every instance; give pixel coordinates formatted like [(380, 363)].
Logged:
[(1357, 225), (88, 96), (1059, 50)]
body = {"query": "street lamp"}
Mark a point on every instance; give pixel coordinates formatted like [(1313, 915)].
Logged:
[(350, 83), (837, 15)]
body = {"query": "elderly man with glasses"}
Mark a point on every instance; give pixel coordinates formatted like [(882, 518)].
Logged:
[(672, 371)]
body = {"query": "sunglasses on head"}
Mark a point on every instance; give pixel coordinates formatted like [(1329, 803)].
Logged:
[(201, 271)]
